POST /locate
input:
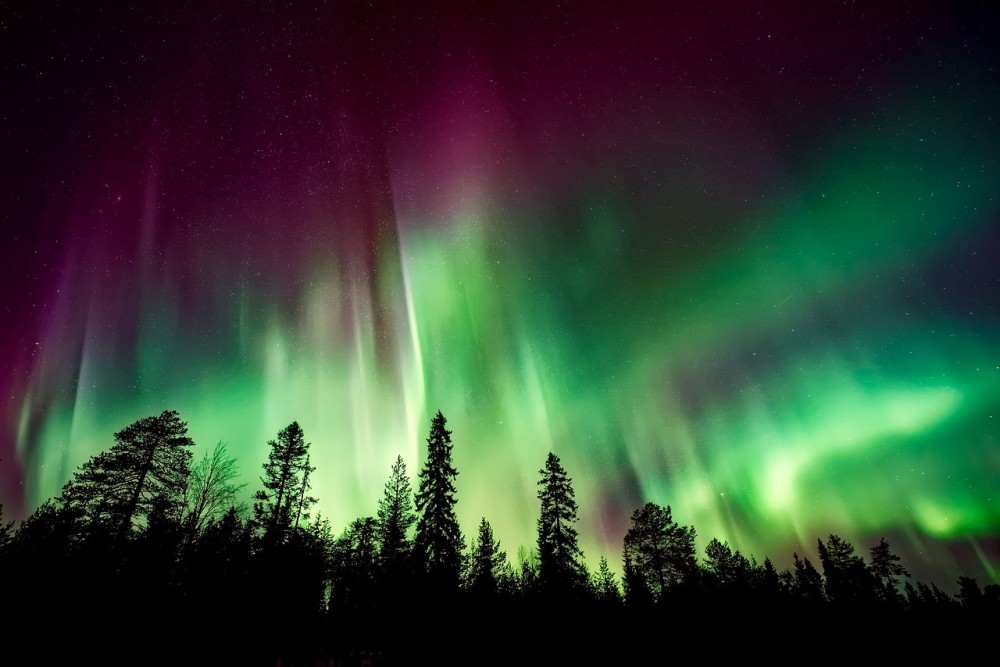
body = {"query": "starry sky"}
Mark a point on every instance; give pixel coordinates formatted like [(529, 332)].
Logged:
[(740, 261)]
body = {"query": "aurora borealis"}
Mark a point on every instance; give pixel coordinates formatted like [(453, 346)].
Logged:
[(742, 262)]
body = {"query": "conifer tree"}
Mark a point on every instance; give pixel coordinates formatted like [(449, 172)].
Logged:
[(808, 582), (6, 530), (729, 568), (438, 544), (848, 580), (146, 468), (284, 498), (395, 517), (768, 581), (354, 567), (487, 564), (659, 551), (969, 593), (560, 566), (605, 584), (886, 569)]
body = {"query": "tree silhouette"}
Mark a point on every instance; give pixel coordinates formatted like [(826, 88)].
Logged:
[(438, 544), (728, 568), (969, 593), (560, 566), (808, 583), (659, 551), (605, 584), (212, 490), (119, 537), (147, 467), (848, 580), (283, 500), (768, 583), (355, 568), (928, 598), (395, 518), (6, 530), (487, 563), (216, 564), (886, 569), (527, 572)]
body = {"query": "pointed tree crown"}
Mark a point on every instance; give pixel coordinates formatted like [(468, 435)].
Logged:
[(395, 514), (559, 556), (438, 544)]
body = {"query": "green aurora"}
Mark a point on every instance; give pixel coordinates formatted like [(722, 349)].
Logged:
[(775, 368)]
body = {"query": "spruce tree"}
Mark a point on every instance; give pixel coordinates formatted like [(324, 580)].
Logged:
[(438, 544), (395, 518), (605, 584), (560, 566), (487, 564)]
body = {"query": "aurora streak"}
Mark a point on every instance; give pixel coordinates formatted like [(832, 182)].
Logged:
[(740, 264)]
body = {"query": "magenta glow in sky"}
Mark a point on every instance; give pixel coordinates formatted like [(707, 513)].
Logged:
[(737, 261)]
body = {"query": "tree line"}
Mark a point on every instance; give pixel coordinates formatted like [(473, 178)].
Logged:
[(146, 543)]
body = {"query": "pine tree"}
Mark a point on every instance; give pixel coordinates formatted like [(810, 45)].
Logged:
[(438, 544), (395, 518), (147, 467), (729, 568), (284, 498), (560, 566), (886, 569), (848, 579), (660, 551)]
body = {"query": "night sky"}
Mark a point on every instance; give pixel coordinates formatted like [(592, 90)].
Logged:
[(738, 261)]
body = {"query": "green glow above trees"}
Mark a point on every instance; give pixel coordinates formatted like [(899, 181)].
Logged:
[(804, 374)]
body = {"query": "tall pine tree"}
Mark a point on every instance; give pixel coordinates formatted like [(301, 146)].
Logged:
[(560, 566), (284, 499), (438, 544)]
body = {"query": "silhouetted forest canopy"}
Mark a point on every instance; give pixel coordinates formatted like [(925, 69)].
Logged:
[(147, 547)]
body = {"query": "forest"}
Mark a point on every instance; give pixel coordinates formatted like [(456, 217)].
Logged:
[(148, 556)]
